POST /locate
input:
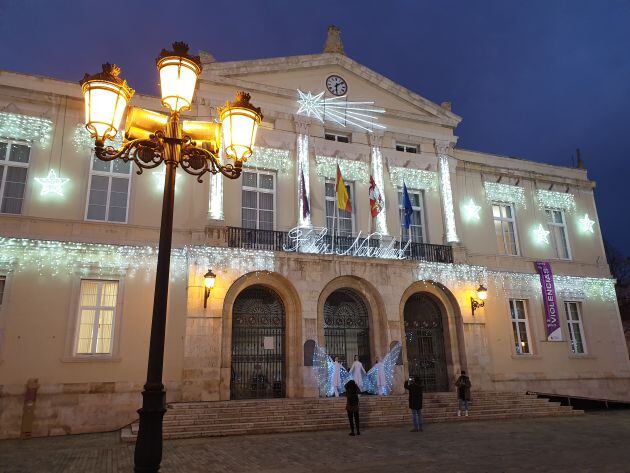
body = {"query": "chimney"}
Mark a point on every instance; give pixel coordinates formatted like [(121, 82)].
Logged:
[(580, 161), (333, 42)]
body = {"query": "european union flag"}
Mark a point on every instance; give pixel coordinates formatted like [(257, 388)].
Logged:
[(407, 208)]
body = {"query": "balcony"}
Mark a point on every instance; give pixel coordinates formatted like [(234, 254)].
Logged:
[(271, 240)]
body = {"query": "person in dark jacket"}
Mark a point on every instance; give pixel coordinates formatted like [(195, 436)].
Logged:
[(463, 393), (414, 386), (352, 405)]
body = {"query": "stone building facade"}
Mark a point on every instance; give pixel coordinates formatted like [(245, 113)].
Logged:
[(77, 266)]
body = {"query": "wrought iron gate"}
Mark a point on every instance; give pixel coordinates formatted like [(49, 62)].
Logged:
[(425, 342), (258, 324), (346, 328)]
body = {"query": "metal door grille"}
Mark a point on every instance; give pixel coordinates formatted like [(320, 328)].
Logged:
[(258, 325), (425, 342), (346, 327)]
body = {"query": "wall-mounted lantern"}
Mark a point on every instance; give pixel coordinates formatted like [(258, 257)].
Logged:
[(480, 301), (208, 278)]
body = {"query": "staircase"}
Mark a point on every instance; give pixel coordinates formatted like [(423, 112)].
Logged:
[(222, 418)]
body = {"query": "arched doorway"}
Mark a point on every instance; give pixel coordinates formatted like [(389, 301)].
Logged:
[(346, 327), (424, 334), (258, 340)]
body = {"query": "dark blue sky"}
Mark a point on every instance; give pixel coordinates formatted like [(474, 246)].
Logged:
[(532, 79)]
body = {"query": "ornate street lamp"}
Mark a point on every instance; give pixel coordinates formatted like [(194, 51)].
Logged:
[(482, 295), (152, 138), (209, 279)]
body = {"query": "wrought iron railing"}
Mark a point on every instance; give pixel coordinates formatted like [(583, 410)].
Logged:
[(272, 240)]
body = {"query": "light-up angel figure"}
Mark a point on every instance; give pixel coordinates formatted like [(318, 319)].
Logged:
[(380, 379), (331, 375)]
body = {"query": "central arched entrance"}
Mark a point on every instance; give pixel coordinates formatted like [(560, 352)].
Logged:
[(258, 340), (346, 327), (424, 334)]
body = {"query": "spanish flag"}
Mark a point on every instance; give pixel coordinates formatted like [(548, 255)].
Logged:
[(343, 199)]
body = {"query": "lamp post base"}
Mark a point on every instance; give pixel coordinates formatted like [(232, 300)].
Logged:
[(148, 452)]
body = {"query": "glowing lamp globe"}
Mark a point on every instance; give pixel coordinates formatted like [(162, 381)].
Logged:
[(106, 96), (239, 124), (209, 278), (482, 293), (179, 72)]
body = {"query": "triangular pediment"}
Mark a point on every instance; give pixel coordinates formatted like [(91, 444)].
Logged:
[(284, 76)]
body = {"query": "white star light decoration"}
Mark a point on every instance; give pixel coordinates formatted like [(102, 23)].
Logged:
[(541, 235), (52, 184), (586, 224), (339, 110), (471, 211)]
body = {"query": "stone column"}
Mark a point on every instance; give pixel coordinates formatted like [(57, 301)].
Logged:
[(376, 162), (446, 192), (303, 168)]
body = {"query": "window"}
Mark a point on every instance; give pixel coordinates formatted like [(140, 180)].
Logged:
[(406, 148), (97, 312), (343, 221), (333, 136), (259, 200), (520, 327), (3, 283), (505, 228), (417, 217), (14, 160), (576, 330), (108, 195), (557, 227)]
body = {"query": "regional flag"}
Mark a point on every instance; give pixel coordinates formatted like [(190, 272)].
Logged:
[(407, 208), (343, 199), (376, 201), (306, 210)]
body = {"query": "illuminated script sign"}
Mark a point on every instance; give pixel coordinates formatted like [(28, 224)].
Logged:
[(316, 240)]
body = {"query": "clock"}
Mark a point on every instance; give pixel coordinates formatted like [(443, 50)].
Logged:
[(336, 85)]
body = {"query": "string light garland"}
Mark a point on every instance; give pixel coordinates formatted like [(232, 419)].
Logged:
[(417, 179), (326, 166), (447, 199), (555, 200), (52, 184), (26, 127), (84, 143), (497, 192), (303, 170), (274, 159), (586, 224)]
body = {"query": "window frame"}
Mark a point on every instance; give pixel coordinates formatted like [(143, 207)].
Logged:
[(570, 329), (110, 175), (563, 225), (91, 274), (6, 164), (336, 134), (512, 302), (421, 209), (350, 187), (506, 219), (406, 147), (258, 190), (7, 270)]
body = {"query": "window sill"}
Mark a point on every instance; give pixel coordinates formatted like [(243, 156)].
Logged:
[(89, 359), (582, 356), (526, 357)]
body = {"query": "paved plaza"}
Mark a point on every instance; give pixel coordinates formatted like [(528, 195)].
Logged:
[(596, 442)]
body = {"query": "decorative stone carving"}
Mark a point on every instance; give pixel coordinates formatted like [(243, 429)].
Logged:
[(333, 42)]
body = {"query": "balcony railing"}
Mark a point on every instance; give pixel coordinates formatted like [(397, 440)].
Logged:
[(272, 240)]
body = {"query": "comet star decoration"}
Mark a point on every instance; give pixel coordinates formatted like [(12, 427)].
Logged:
[(52, 183), (339, 110)]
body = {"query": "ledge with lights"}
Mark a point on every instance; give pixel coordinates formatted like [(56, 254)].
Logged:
[(497, 192), (357, 171), (16, 126), (555, 200), (418, 179)]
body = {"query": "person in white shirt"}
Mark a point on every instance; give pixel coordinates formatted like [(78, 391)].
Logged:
[(357, 372), (336, 376)]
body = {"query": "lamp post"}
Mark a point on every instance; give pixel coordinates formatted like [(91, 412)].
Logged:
[(152, 138)]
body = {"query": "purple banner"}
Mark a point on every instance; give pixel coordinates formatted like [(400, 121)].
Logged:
[(554, 333)]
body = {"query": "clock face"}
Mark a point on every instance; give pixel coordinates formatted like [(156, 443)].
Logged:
[(336, 85)]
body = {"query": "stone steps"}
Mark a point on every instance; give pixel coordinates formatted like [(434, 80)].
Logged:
[(223, 418)]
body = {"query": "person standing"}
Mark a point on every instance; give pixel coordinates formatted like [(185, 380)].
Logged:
[(380, 377), (463, 393), (352, 405), (336, 376), (414, 386), (357, 372)]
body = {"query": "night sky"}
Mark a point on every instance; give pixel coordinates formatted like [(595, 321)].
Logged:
[(534, 79)]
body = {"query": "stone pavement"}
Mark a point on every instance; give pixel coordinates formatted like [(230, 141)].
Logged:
[(595, 442)]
